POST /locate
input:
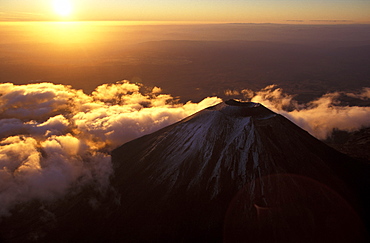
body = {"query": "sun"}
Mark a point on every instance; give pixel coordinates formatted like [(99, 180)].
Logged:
[(62, 7)]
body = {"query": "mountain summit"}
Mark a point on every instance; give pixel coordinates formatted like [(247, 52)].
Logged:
[(235, 172), (230, 143)]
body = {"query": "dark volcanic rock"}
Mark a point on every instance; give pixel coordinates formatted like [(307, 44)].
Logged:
[(184, 178), (355, 144)]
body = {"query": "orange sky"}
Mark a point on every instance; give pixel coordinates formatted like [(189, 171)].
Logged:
[(299, 11)]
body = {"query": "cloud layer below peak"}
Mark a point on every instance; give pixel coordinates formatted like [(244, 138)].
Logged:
[(320, 116), (55, 139)]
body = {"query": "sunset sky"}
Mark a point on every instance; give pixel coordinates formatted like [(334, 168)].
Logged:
[(274, 11)]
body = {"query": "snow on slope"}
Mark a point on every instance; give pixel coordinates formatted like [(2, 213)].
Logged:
[(226, 142)]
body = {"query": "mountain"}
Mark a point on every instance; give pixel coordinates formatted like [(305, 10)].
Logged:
[(234, 172), (355, 144), (211, 175)]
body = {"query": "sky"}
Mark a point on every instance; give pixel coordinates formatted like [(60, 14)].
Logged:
[(272, 11)]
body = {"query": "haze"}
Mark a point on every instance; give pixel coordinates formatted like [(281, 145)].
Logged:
[(255, 11), (190, 61)]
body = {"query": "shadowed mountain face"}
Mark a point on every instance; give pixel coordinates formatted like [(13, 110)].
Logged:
[(237, 172), (234, 172)]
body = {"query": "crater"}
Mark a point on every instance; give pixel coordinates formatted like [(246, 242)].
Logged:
[(237, 108)]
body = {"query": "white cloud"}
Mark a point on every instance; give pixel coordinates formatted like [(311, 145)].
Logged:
[(55, 139), (318, 117), (364, 95)]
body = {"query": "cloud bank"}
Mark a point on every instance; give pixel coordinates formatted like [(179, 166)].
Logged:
[(55, 139), (319, 117)]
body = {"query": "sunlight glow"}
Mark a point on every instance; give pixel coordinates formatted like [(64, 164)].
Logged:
[(62, 7), (67, 33)]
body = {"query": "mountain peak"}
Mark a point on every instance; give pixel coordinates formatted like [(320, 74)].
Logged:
[(234, 159), (236, 108), (234, 102)]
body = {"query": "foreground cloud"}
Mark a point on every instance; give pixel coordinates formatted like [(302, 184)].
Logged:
[(54, 139)]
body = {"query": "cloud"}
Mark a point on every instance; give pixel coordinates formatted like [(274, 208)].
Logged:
[(55, 139), (319, 117), (363, 95), (21, 16), (332, 20), (230, 92)]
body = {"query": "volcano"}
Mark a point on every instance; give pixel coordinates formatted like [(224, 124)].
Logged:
[(234, 172)]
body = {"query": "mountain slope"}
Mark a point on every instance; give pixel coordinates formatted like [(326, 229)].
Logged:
[(187, 174)]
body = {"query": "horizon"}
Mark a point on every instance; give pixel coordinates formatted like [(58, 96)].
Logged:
[(185, 22)]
